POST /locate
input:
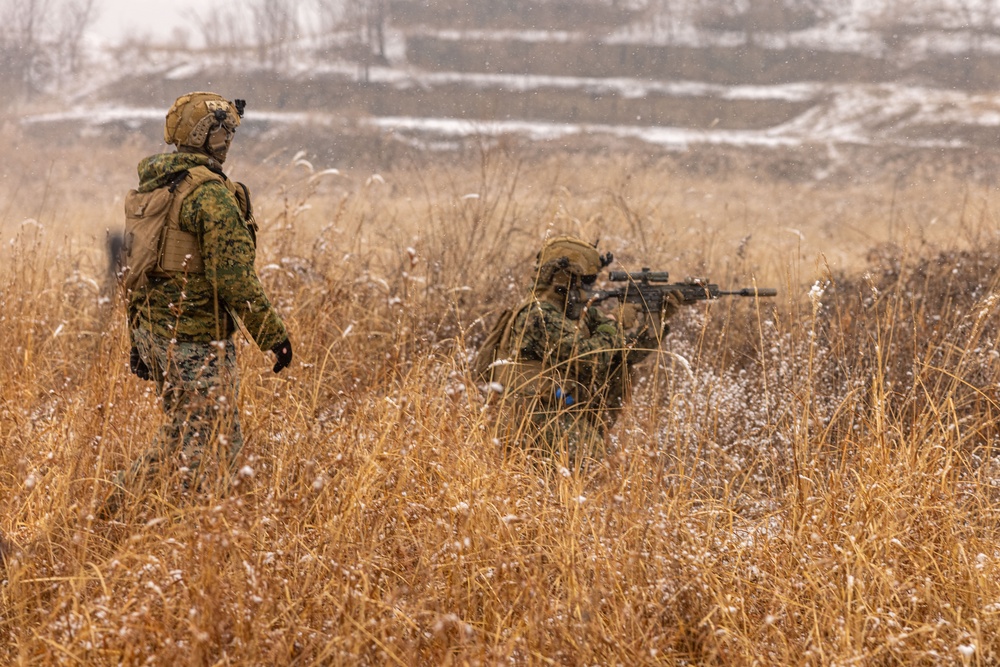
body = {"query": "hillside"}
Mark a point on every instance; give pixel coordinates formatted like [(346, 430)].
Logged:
[(595, 78)]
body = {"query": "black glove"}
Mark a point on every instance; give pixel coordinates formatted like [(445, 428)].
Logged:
[(137, 365), (283, 351)]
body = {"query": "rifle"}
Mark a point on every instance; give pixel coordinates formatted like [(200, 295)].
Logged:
[(649, 289)]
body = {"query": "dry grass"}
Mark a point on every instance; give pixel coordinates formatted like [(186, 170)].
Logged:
[(807, 482)]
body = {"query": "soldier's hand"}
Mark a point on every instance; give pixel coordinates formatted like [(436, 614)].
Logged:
[(137, 365), (283, 353), (647, 336), (653, 327), (672, 302), (629, 315)]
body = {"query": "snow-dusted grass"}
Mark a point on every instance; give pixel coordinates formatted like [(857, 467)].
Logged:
[(807, 480)]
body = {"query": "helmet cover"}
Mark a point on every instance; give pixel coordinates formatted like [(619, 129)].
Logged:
[(194, 115), (569, 254)]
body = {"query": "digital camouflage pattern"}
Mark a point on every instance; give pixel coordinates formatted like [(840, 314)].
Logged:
[(198, 384), (199, 307), (567, 379)]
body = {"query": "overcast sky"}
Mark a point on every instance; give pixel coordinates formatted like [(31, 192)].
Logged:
[(117, 19)]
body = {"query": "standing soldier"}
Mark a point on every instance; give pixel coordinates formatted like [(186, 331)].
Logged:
[(184, 302), (563, 368)]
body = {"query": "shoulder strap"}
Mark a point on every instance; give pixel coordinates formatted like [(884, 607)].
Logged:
[(191, 180)]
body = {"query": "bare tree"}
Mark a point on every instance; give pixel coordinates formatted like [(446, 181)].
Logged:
[(41, 41), (979, 18), (71, 24), (902, 20), (24, 56), (666, 15), (376, 17), (331, 15), (275, 26), (269, 27), (356, 29), (225, 30)]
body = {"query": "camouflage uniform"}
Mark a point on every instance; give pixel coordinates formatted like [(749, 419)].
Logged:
[(565, 374), (198, 307), (182, 324), (565, 378), (198, 384)]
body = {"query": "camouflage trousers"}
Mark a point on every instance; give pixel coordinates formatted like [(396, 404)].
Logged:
[(198, 386), (568, 438)]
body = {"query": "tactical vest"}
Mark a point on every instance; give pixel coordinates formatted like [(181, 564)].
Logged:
[(155, 244)]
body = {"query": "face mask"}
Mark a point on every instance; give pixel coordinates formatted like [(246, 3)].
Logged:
[(220, 136), (218, 141)]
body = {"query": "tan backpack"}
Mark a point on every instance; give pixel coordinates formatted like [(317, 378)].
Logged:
[(519, 377), (529, 380), (482, 365), (155, 245)]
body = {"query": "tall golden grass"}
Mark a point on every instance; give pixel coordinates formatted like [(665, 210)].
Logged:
[(809, 480)]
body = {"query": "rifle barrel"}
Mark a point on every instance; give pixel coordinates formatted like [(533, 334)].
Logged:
[(751, 291)]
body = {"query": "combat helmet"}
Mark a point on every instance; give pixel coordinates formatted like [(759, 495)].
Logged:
[(571, 255), (205, 121)]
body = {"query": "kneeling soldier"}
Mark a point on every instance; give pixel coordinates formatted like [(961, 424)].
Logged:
[(564, 369)]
